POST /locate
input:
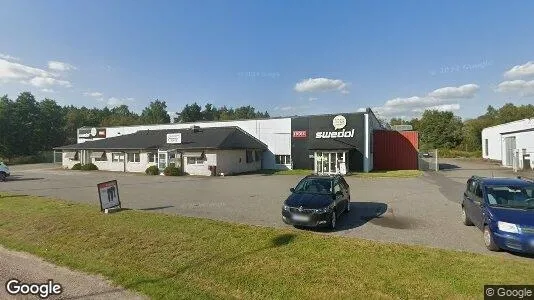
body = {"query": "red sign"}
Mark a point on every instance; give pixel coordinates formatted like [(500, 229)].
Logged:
[(300, 134)]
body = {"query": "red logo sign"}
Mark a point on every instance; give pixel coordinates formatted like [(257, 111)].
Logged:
[(300, 134)]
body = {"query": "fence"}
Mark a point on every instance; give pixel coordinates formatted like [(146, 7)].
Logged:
[(58, 157)]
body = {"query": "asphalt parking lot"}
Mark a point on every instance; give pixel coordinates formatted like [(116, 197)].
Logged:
[(422, 211)]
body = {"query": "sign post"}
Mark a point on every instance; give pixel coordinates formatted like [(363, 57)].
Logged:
[(108, 194)]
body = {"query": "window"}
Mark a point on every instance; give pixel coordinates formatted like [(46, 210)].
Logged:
[(153, 157), (257, 153), (486, 147), (195, 160), (134, 157), (250, 157), (99, 155), (117, 157), (283, 159), (337, 188)]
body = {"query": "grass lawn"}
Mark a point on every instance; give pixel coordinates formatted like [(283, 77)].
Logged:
[(165, 256), (372, 174), (389, 174)]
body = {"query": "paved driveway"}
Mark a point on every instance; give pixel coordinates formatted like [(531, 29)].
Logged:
[(423, 211)]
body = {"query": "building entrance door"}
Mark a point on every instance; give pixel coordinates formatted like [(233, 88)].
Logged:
[(331, 162), (162, 160), (509, 144)]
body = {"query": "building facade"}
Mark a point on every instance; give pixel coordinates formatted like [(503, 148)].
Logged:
[(510, 142), (330, 143)]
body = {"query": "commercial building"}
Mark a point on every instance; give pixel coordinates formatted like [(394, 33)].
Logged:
[(511, 143), (330, 143)]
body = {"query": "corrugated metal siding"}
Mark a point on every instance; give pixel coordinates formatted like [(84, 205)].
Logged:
[(394, 150)]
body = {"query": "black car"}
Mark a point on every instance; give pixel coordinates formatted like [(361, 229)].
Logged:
[(317, 201)]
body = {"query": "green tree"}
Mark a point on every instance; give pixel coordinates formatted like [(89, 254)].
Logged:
[(155, 113), (50, 130), (26, 117), (440, 129), (7, 126), (191, 113)]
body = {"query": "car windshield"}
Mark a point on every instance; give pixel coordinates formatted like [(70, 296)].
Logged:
[(314, 185), (511, 196)]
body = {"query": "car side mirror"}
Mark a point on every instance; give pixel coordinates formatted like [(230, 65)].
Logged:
[(292, 190)]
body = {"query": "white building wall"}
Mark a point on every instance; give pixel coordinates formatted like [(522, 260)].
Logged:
[(67, 163), (523, 130), (275, 133), (235, 161), (200, 169)]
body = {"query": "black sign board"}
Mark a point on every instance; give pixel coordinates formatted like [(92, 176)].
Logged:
[(108, 193)]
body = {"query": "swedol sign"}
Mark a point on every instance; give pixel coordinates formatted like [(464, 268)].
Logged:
[(339, 122)]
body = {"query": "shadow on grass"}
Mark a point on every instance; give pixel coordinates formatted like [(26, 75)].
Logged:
[(20, 178), (156, 208), (278, 241), (12, 196)]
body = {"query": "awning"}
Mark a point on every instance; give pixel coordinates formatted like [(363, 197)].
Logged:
[(194, 154), (70, 154), (97, 154)]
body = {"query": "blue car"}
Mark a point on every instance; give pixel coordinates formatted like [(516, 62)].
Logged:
[(503, 208)]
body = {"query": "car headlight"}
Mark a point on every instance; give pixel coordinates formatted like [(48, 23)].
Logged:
[(507, 227), (285, 207)]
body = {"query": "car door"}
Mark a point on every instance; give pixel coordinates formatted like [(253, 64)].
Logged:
[(338, 192), (476, 211)]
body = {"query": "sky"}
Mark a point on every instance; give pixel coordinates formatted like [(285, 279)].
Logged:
[(288, 57)]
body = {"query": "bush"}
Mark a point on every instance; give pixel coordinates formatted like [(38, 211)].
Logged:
[(89, 167), (172, 171), (77, 166), (152, 170), (452, 153)]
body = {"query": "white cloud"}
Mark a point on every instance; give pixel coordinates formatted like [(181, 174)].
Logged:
[(320, 85), (12, 71), (450, 92), (443, 107), (15, 71), (443, 99), (60, 66), (48, 90), (311, 99), (8, 57), (48, 81), (114, 101), (361, 109), (93, 94), (518, 71), (522, 87)]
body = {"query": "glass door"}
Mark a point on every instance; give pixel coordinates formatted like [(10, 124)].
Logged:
[(162, 160), (332, 162)]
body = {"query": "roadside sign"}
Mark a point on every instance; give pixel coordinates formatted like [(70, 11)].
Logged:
[(108, 193)]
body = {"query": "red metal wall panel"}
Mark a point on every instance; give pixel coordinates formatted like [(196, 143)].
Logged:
[(394, 150)]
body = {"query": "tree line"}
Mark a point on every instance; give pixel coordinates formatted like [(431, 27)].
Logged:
[(28, 126), (445, 130)]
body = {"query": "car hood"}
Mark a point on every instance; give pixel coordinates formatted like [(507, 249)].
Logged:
[(307, 200), (515, 216)]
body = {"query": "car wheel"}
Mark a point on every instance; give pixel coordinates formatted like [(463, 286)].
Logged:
[(333, 220), (465, 218), (488, 240), (2, 177)]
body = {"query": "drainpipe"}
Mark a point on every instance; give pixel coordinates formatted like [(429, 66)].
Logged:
[(124, 162)]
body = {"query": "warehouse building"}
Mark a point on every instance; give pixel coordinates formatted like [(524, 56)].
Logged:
[(330, 144), (511, 143)]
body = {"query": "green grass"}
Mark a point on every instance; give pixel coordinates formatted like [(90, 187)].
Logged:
[(175, 257), (389, 174)]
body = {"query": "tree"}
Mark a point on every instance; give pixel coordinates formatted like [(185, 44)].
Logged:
[(26, 117), (155, 113), (50, 130), (440, 129), (210, 113), (7, 125), (191, 113)]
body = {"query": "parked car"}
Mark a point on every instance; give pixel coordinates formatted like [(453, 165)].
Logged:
[(503, 208), (4, 172), (317, 201)]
